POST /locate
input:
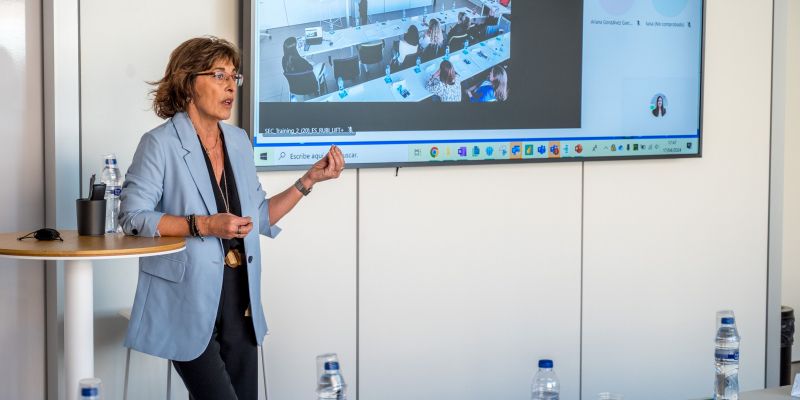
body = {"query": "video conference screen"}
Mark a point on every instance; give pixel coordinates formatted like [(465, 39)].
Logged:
[(412, 82)]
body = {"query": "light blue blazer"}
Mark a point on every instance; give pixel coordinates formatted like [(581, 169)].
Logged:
[(177, 295)]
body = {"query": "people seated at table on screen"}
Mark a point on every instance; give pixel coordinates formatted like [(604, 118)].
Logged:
[(294, 63), (432, 41), (408, 45), (493, 17), (494, 88), (433, 35), (460, 28), (445, 83), (489, 28)]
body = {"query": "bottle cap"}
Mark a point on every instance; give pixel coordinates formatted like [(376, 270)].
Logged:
[(727, 320), (545, 363), (331, 366), (89, 387)]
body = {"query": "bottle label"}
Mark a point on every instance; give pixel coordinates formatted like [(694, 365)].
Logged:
[(113, 191), (727, 355)]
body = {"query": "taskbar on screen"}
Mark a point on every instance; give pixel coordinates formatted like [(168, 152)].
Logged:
[(455, 151)]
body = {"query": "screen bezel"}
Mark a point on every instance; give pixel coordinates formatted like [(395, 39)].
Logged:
[(247, 96)]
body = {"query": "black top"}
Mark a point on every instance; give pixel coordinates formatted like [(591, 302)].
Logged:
[(457, 30), (293, 64), (231, 194)]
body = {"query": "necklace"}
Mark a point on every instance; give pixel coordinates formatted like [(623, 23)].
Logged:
[(216, 142), (209, 150), (225, 195), (233, 258)]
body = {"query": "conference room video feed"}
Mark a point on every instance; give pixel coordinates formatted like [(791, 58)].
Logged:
[(340, 67)]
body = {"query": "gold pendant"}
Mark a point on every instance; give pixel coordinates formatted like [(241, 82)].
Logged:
[(233, 259)]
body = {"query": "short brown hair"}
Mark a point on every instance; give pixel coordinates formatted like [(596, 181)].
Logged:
[(173, 91)]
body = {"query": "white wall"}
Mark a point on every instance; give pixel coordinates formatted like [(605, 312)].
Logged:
[(271, 14), (466, 280), (668, 243), (304, 11), (461, 277), (788, 83), (309, 286), (22, 331), (280, 13)]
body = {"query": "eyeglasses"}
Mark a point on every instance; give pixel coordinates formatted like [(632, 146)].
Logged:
[(43, 234), (221, 77)]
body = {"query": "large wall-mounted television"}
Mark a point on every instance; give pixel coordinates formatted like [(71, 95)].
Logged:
[(441, 82)]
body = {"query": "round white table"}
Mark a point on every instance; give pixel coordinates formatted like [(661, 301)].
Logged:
[(78, 252)]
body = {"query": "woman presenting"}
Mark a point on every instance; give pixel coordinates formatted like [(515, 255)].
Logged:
[(194, 176)]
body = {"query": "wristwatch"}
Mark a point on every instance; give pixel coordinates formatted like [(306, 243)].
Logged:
[(299, 186)]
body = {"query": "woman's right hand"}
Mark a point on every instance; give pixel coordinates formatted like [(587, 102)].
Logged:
[(226, 226)]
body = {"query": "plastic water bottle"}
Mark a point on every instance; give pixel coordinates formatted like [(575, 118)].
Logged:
[(358, 23), (388, 78), (442, 7), (454, 5), (447, 52), (425, 12), (419, 62), (404, 15), (545, 384), (331, 384), (466, 45), (90, 389), (726, 357), (113, 180)]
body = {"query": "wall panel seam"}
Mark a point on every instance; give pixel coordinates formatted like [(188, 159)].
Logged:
[(358, 276), (580, 314)]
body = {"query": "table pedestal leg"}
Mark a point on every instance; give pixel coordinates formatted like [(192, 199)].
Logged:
[(78, 325)]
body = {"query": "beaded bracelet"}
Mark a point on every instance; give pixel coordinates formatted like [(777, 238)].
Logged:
[(189, 222), (193, 227), (196, 230)]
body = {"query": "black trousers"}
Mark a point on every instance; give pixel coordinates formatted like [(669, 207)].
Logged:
[(228, 368)]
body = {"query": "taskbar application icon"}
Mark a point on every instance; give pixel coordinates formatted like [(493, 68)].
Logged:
[(516, 151), (555, 150), (542, 150)]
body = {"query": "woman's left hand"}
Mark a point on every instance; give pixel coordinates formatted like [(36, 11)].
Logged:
[(328, 167)]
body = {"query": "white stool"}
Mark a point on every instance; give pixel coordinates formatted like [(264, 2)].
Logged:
[(127, 315)]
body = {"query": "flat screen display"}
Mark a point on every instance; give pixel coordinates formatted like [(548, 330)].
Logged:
[(439, 82)]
